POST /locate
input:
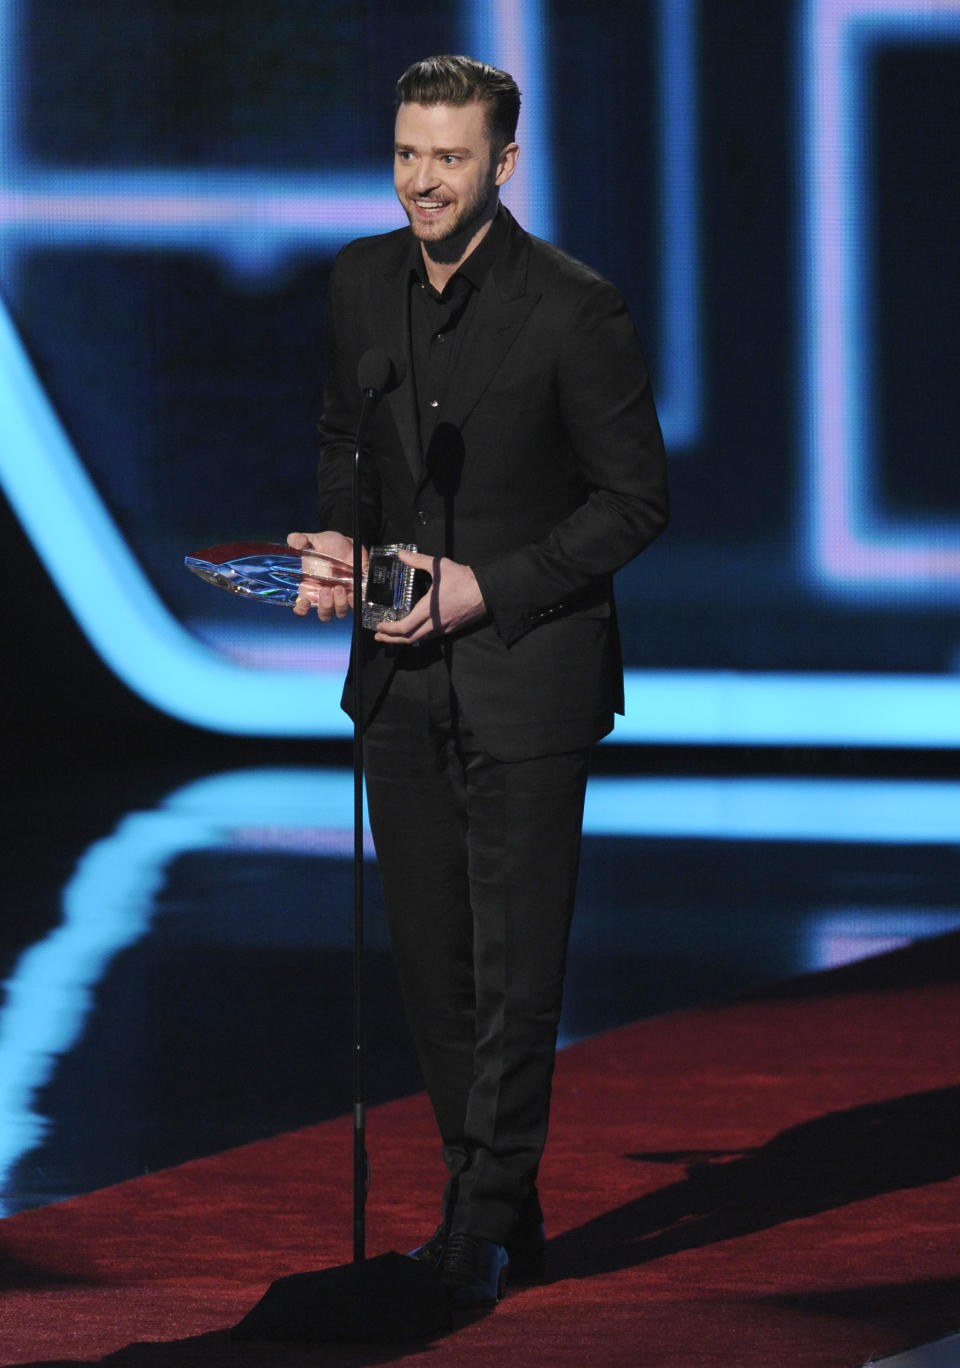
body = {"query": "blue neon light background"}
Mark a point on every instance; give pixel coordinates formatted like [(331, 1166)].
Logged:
[(172, 188), (773, 186)]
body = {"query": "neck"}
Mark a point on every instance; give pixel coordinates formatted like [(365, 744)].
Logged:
[(443, 259)]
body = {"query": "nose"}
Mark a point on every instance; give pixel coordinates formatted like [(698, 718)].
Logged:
[(425, 177)]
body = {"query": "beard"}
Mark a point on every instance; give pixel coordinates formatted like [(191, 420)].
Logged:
[(445, 239)]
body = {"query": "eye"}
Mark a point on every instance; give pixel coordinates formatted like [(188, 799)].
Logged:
[(449, 159)]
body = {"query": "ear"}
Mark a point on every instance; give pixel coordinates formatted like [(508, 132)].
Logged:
[(507, 163)]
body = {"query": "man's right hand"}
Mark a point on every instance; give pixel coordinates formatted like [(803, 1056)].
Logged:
[(330, 601)]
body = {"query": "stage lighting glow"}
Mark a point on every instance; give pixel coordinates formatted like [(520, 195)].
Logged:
[(110, 900), (252, 220), (851, 545)]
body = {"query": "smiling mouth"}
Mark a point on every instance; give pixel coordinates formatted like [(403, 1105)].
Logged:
[(430, 206)]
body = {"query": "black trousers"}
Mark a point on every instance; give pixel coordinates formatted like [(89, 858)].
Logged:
[(478, 860)]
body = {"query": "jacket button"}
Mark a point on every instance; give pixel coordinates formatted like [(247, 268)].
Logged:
[(422, 518)]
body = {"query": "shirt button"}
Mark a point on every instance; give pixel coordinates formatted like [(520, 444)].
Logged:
[(434, 403), (422, 518)]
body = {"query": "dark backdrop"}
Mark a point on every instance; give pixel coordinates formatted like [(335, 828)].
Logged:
[(188, 377)]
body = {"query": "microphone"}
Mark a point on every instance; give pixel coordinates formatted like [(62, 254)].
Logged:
[(378, 372)]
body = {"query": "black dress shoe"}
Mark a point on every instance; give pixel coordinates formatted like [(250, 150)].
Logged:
[(431, 1251), (473, 1270), (525, 1244)]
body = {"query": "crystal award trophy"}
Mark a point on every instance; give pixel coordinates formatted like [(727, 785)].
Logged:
[(272, 573), (267, 571)]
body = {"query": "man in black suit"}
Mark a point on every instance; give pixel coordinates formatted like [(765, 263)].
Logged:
[(520, 451)]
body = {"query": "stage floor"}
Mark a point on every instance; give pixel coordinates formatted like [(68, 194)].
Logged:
[(176, 946), (771, 1181)]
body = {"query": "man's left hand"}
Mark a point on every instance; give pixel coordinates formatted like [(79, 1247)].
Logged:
[(451, 602)]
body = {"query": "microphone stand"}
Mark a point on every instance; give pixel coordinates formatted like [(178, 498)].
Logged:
[(392, 1297), (361, 1168), (374, 375)]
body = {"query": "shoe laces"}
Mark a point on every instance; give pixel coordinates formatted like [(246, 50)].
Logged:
[(460, 1256)]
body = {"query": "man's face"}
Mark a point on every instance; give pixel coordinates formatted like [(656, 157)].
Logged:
[(444, 170)]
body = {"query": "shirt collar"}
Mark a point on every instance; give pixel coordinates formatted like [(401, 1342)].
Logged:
[(476, 267)]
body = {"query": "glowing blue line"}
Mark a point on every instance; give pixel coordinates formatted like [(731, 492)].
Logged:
[(852, 547), (145, 646), (512, 35), (109, 901), (106, 907), (681, 401), (838, 937), (11, 96), (716, 708), (217, 211), (128, 625), (876, 812), (110, 596)]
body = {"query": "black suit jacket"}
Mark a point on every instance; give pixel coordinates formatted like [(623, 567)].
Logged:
[(545, 474)]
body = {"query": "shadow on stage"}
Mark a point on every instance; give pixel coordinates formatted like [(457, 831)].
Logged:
[(831, 1161)]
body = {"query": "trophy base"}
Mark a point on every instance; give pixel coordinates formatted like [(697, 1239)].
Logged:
[(391, 587)]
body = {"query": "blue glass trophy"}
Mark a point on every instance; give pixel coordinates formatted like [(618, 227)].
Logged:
[(267, 571), (272, 573)]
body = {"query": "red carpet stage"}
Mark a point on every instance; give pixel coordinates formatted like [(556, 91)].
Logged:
[(772, 1182)]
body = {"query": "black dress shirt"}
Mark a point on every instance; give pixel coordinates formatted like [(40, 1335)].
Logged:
[(440, 320)]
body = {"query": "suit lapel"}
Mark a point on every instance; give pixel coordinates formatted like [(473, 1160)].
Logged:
[(502, 309)]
